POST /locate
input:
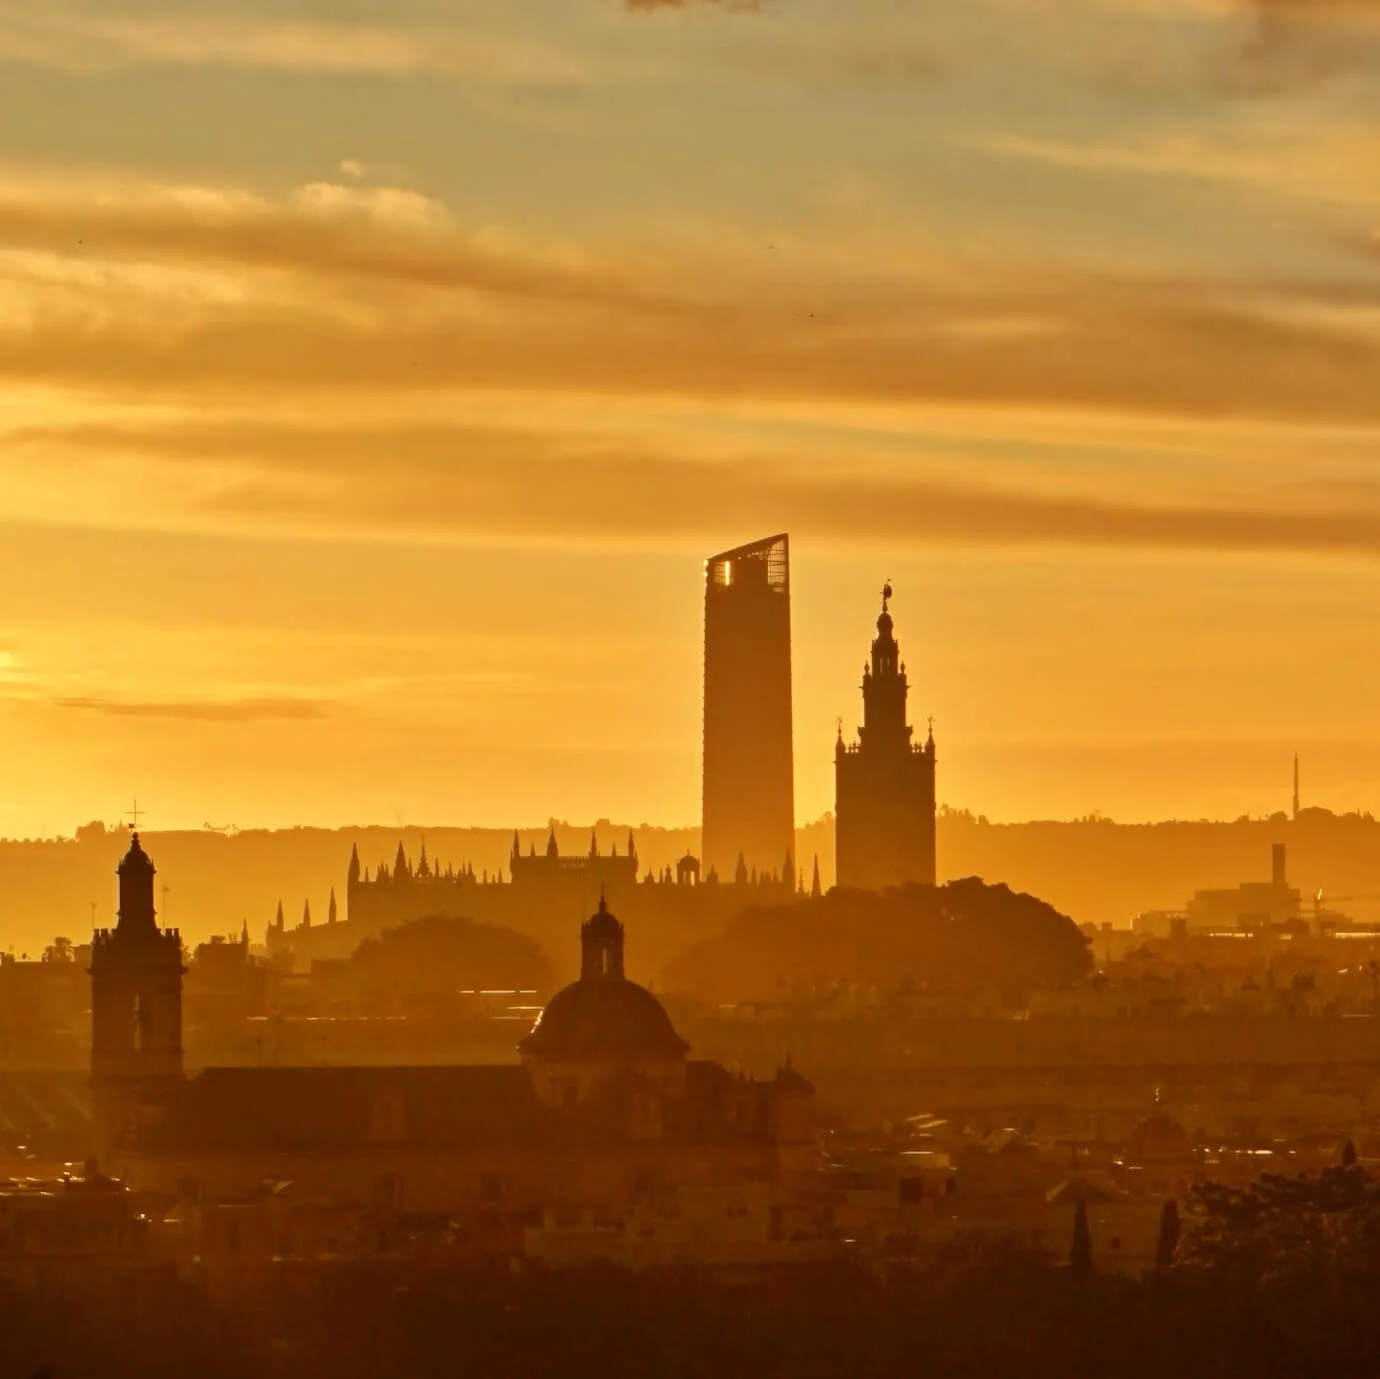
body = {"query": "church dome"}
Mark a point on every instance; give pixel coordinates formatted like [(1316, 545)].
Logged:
[(613, 1020), (1159, 1137), (604, 1017)]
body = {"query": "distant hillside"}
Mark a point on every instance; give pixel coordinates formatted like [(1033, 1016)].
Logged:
[(1099, 871), (1093, 870)]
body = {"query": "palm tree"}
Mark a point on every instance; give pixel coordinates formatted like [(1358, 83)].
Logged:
[(1080, 1256), (1170, 1231)]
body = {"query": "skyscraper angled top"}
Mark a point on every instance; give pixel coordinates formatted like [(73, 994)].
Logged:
[(749, 783)]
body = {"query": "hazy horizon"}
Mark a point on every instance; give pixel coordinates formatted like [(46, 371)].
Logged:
[(617, 828)]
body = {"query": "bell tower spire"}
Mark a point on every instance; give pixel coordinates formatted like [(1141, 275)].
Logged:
[(885, 783), (884, 686)]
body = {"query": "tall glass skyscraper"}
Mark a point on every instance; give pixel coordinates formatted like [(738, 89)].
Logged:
[(749, 779)]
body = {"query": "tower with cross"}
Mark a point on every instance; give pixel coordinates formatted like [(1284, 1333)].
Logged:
[(136, 1008), (884, 812)]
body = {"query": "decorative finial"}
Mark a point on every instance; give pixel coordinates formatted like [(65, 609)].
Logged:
[(887, 595), (135, 813)]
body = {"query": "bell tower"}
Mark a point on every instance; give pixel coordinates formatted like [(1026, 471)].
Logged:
[(885, 782), (136, 1008)]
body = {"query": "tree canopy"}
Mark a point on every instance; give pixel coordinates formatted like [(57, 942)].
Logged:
[(443, 954), (963, 934), (1285, 1229)]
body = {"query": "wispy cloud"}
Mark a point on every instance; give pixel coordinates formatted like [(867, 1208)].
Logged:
[(201, 711), (49, 36), (389, 235), (461, 482), (334, 296), (1295, 44), (1331, 166), (733, 6), (1096, 343)]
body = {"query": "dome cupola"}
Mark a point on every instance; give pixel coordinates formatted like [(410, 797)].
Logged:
[(603, 1017)]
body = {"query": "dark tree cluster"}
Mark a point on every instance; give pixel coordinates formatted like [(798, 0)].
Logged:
[(1286, 1230), (963, 934), (442, 955)]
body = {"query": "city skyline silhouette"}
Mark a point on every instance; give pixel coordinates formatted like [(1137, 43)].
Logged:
[(686, 687)]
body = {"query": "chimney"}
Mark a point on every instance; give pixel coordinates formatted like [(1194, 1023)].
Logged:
[(1278, 873)]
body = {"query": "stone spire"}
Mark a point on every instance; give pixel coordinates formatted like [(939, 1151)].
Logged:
[(136, 873)]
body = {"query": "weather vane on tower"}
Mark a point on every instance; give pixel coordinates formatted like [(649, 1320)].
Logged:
[(886, 595), (135, 813)]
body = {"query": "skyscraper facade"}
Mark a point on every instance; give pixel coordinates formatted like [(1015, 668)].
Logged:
[(749, 781), (884, 783)]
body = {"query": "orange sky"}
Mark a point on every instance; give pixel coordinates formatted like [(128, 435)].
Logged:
[(375, 379)]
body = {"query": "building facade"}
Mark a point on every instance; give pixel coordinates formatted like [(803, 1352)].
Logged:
[(885, 781), (749, 788)]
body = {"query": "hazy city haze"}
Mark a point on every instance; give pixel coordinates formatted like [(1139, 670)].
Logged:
[(377, 378)]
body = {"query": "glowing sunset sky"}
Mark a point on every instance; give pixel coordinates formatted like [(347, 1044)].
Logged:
[(378, 374)]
